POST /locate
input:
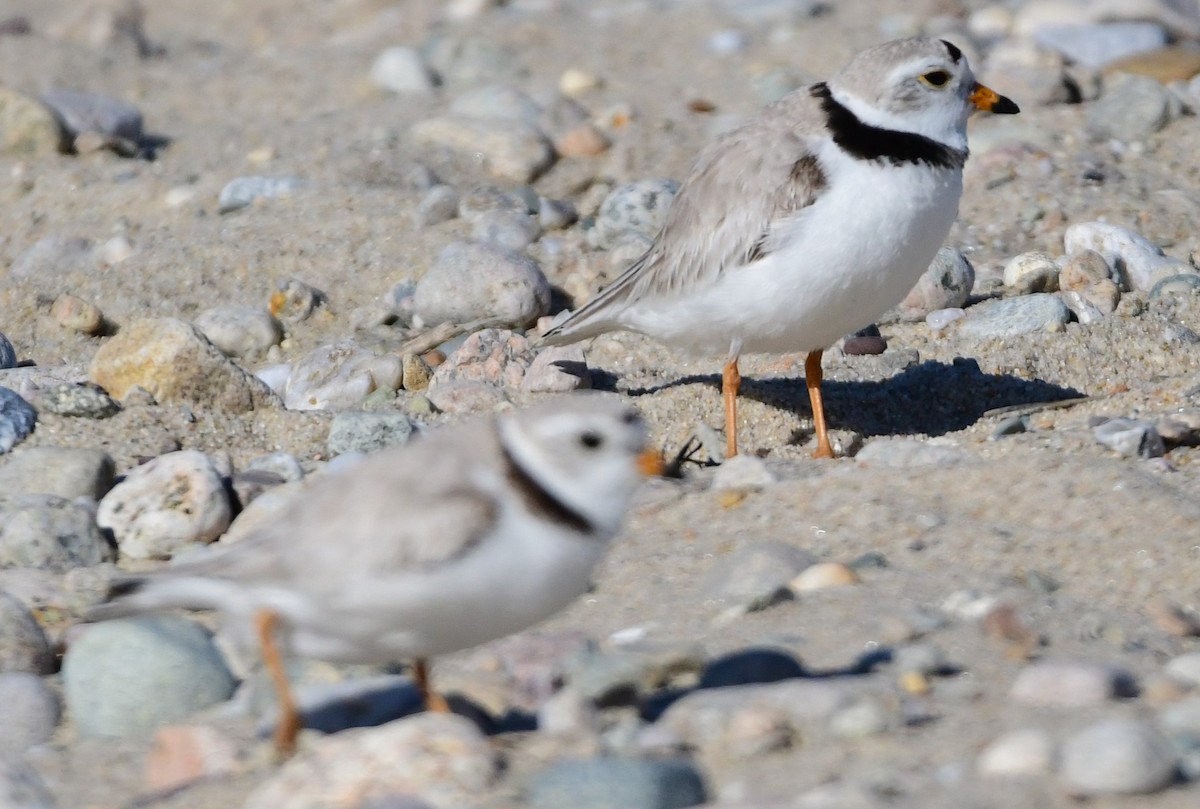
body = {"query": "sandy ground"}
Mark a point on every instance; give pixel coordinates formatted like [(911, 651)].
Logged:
[(290, 78)]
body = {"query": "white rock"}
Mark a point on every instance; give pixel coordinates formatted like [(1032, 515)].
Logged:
[(402, 70), (557, 370), (175, 500), (1118, 757), (1185, 669), (1138, 262), (338, 376), (1069, 684), (1027, 751), (1031, 272), (743, 472), (472, 281), (240, 331)]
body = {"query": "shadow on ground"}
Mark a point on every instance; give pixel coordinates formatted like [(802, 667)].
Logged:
[(931, 398)]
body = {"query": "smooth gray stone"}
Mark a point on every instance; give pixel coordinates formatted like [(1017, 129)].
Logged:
[(617, 783)]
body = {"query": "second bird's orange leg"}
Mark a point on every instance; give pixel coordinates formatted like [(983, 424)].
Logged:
[(288, 728), (812, 380), (434, 701), (731, 380)]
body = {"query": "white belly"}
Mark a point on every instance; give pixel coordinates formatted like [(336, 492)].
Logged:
[(840, 264)]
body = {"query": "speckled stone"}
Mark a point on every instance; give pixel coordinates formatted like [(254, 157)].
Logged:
[(639, 207), (946, 284), (81, 401), (439, 758), (76, 314), (1132, 108), (50, 533), (355, 431)]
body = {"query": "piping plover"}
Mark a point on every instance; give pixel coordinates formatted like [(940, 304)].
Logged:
[(807, 222), (468, 534)]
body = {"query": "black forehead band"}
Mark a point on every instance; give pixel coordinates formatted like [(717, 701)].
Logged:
[(955, 53)]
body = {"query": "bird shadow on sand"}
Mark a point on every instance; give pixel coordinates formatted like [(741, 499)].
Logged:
[(930, 398), (369, 703)]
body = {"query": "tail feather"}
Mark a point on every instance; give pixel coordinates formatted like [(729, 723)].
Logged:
[(599, 315)]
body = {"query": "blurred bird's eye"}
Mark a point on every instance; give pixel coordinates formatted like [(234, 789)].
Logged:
[(936, 78), (591, 440)]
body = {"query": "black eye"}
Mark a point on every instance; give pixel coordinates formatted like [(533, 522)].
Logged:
[(936, 78), (591, 440)]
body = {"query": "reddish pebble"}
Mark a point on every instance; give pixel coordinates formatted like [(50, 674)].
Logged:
[(181, 754)]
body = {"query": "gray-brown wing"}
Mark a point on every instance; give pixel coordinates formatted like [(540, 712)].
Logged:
[(395, 511), (749, 179)]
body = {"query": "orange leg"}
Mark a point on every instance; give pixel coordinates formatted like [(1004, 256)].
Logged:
[(289, 718), (434, 701), (731, 380), (812, 380)]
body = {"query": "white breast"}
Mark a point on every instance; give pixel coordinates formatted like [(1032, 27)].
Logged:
[(838, 266)]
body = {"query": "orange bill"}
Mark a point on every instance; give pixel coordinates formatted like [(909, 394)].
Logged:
[(650, 463), (988, 100)]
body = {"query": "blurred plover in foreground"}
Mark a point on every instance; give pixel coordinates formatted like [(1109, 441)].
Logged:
[(470, 533)]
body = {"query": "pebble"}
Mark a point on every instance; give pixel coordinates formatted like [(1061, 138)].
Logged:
[(1173, 63), (900, 453), (1097, 45), (20, 785), (367, 432), (129, 677), (76, 314), (23, 644), (556, 214), (1131, 108), (617, 783), (468, 60), (174, 362), (497, 101), (163, 506), (638, 208), (8, 354), (743, 473), (755, 576), (80, 401), (1031, 272), (27, 127), (1179, 19), (711, 720), (53, 258), (1138, 262), (1022, 752), (575, 82), (339, 376), (440, 758), (946, 284), (1082, 269), (81, 113), (182, 754), (557, 369), (1132, 438), (416, 372), (31, 712), (240, 331), (65, 472), (940, 319), (241, 192), (50, 533), (823, 576), (866, 717), (509, 230), (1184, 285), (509, 149), (1185, 669), (493, 356), (402, 70), (584, 140), (1117, 757), (1071, 684), (293, 301), (17, 419), (1027, 71), (484, 198), (1011, 317), (440, 204), (472, 281), (467, 397)]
